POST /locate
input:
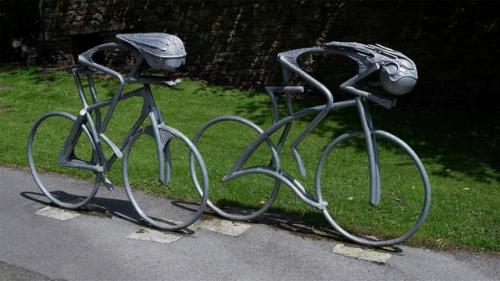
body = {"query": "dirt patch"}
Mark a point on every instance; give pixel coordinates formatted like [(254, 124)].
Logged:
[(4, 109), (4, 88)]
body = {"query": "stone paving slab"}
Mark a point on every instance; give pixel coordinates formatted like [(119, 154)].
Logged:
[(360, 253), (222, 226), (57, 213), (152, 235)]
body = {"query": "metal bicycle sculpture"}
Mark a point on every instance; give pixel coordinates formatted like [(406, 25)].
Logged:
[(397, 76), (156, 50)]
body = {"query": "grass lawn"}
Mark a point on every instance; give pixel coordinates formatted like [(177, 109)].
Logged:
[(460, 151)]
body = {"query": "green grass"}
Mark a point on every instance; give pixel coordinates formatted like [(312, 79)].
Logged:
[(460, 151)]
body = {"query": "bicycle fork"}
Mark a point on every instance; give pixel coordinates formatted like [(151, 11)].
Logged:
[(371, 144), (163, 138)]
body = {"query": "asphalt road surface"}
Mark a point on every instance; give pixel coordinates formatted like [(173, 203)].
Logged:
[(36, 245)]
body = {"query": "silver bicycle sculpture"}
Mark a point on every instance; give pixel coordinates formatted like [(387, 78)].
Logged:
[(397, 75), (156, 50)]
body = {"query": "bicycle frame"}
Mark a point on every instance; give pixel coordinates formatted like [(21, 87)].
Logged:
[(286, 122), (289, 65), (369, 62), (97, 129)]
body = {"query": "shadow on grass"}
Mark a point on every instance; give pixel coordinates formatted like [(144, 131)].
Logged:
[(459, 140)]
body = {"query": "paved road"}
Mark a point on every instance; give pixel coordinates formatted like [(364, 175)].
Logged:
[(91, 247)]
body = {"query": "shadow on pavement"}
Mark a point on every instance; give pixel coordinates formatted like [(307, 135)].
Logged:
[(122, 209)]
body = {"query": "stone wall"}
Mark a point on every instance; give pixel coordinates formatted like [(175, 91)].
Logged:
[(235, 42)]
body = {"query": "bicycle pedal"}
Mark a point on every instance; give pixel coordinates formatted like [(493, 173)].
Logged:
[(107, 183)]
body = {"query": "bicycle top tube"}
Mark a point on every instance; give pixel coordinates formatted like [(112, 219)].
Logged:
[(398, 73)]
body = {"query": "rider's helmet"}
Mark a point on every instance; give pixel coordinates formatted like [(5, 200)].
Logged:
[(161, 50), (398, 78), (398, 73)]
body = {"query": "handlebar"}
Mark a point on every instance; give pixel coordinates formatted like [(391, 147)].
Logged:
[(86, 58), (289, 62)]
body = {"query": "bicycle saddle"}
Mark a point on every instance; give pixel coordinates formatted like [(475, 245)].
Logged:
[(161, 50), (398, 73)]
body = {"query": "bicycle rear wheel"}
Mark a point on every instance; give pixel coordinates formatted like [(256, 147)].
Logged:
[(405, 189), (45, 142), (173, 204), (246, 197)]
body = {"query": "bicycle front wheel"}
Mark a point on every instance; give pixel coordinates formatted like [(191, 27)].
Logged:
[(342, 181), (45, 143), (176, 200)]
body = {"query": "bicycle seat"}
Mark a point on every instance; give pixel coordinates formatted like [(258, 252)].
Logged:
[(398, 73), (161, 50)]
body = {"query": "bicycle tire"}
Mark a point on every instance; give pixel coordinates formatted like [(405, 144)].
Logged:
[(242, 215), (147, 215), (423, 178), (59, 197)]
